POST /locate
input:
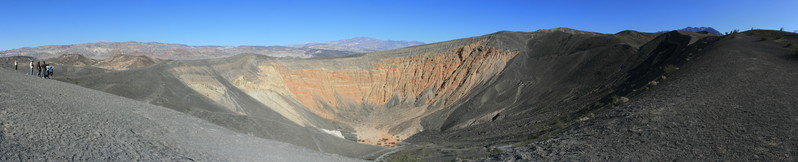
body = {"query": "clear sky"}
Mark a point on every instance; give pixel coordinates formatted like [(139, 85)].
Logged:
[(25, 23)]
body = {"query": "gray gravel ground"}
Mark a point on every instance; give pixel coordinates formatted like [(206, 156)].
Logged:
[(735, 102), (47, 120)]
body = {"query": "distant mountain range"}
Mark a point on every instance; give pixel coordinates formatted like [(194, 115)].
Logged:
[(699, 29), (103, 50), (359, 44)]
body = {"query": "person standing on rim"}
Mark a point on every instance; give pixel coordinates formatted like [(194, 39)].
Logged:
[(50, 71), (46, 71), (43, 69), (30, 72), (39, 68)]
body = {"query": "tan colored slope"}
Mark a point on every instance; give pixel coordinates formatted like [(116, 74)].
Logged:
[(116, 63), (124, 62), (73, 60)]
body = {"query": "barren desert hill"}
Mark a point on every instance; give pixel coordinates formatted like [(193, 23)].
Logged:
[(114, 63), (359, 45), (77, 64), (699, 29), (124, 62), (733, 100), (103, 50), (559, 75), (47, 120), (72, 60)]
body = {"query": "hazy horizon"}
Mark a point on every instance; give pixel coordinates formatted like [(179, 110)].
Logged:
[(178, 43), (203, 23)]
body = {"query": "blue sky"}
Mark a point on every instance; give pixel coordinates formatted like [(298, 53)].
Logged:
[(25, 23)]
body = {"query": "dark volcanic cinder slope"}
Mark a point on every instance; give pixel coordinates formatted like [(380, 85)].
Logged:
[(72, 65), (559, 74), (735, 101), (46, 120), (561, 77), (23, 63)]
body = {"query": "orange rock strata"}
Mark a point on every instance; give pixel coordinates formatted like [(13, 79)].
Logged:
[(450, 75), (386, 99)]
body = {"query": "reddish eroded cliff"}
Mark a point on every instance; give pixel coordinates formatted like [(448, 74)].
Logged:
[(379, 96), (449, 75), (411, 82)]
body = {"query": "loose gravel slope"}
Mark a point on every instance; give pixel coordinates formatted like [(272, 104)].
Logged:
[(736, 101), (50, 120)]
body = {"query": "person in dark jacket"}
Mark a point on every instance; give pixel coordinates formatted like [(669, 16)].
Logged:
[(44, 69), (39, 68)]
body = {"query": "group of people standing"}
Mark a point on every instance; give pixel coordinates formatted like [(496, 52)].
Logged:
[(43, 69)]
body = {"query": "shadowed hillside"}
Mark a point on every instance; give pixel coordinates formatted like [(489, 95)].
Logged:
[(734, 99), (700, 29)]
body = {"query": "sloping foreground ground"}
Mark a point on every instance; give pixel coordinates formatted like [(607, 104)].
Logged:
[(50, 120), (735, 101), (157, 85)]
